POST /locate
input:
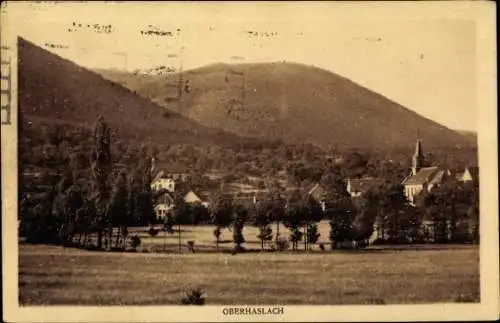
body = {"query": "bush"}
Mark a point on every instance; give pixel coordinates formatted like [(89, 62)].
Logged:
[(153, 232), (217, 233), (282, 244), (190, 244), (238, 249), (379, 242), (135, 241), (265, 233), (168, 225), (312, 233), (193, 297), (295, 236), (238, 237)]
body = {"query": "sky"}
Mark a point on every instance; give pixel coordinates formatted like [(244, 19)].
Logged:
[(424, 61)]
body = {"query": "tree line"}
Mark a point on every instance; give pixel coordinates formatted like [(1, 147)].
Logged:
[(94, 200), (382, 215), (301, 164)]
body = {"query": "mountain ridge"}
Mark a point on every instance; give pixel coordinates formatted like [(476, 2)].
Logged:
[(288, 101), (52, 87)]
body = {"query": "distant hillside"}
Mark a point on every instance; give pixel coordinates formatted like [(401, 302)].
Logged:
[(52, 89), (471, 136), (288, 101)]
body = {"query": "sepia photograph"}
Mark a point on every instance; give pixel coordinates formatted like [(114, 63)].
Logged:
[(249, 158)]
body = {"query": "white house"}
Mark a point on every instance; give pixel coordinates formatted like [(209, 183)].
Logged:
[(165, 205), (163, 183), (165, 202)]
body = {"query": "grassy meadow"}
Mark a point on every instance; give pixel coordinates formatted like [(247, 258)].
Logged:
[(53, 275), (204, 240)]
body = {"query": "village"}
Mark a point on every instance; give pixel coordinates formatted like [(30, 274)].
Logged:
[(422, 179)]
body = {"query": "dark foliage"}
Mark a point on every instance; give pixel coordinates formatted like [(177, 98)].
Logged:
[(194, 297)]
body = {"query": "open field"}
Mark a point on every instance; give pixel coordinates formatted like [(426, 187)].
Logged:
[(203, 237), (204, 240), (50, 275)]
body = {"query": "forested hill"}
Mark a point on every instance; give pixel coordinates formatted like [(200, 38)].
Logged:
[(287, 101), (53, 89)]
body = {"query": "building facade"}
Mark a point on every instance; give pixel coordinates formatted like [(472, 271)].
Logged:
[(422, 177), (163, 184)]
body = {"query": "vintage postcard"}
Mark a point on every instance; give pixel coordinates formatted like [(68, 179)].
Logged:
[(240, 161)]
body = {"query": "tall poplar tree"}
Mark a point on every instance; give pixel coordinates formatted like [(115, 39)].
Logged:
[(101, 168)]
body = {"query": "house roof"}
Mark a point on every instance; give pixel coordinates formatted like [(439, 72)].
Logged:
[(437, 178), (203, 195), (424, 175), (473, 171), (317, 192), (160, 175), (192, 195), (459, 175), (363, 184)]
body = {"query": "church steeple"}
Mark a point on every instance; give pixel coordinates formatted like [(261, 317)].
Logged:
[(418, 159), (153, 167)]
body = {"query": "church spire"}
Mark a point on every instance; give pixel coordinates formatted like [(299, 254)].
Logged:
[(418, 158), (418, 148), (153, 167)]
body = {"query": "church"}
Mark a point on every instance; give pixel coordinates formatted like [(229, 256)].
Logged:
[(422, 176)]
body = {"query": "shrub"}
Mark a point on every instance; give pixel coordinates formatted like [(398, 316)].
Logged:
[(295, 236), (238, 237), (379, 242), (265, 233), (282, 244), (135, 241), (217, 233), (190, 244), (168, 224), (312, 233), (153, 232), (194, 297), (238, 249)]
